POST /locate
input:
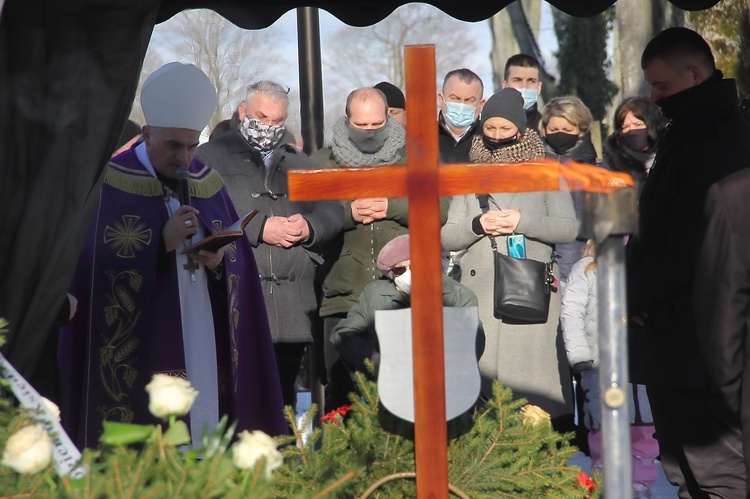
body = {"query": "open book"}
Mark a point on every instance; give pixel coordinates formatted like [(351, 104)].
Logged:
[(222, 238)]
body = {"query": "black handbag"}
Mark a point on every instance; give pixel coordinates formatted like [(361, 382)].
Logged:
[(522, 286)]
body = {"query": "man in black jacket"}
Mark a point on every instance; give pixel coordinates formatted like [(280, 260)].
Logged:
[(722, 296), (522, 73), (460, 103), (706, 140)]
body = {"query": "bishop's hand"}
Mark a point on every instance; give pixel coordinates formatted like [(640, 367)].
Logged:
[(181, 225)]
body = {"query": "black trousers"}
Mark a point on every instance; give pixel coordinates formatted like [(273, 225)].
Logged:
[(700, 442), (288, 361)]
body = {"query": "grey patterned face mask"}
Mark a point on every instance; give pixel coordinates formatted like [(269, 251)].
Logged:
[(260, 136)]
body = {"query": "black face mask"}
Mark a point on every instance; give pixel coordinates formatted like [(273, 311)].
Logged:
[(367, 141), (560, 142), (637, 140), (493, 144)]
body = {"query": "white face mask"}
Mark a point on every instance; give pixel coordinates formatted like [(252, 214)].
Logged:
[(529, 97), (403, 282)]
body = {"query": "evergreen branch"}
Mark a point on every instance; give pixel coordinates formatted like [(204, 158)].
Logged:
[(338, 483)]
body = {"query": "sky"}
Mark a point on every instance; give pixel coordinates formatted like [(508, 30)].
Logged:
[(480, 62), (288, 72)]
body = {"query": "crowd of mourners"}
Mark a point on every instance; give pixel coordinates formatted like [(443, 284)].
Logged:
[(238, 320)]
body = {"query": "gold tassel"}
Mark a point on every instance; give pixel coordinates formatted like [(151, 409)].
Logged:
[(140, 184), (133, 184), (207, 186)]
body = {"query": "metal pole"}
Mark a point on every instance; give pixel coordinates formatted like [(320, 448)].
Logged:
[(613, 367), (310, 78)]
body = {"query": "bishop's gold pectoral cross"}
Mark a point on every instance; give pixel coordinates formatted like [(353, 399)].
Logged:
[(423, 182)]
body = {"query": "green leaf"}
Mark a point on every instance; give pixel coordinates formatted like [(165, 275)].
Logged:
[(177, 434), (125, 434)]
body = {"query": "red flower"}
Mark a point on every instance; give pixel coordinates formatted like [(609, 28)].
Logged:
[(585, 481), (331, 416)]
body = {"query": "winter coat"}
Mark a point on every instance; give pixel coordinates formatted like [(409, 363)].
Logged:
[(452, 151), (722, 296), (354, 337), (579, 315), (528, 358), (352, 255), (287, 274), (706, 139), (533, 117), (620, 159), (580, 325), (569, 253)]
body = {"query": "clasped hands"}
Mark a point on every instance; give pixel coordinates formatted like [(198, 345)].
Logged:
[(176, 230), (285, 232), (500, 222), (366, 211)]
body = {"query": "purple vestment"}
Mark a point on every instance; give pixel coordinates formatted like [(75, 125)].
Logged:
[(128, 325)]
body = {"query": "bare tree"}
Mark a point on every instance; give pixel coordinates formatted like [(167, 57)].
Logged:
[(357, 57), (726, 28), (231, 57)]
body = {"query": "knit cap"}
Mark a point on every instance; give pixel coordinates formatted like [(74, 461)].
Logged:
[(396, 251), (393, 95), (508, 104)]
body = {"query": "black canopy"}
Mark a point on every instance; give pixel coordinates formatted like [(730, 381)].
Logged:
[(68, 75)]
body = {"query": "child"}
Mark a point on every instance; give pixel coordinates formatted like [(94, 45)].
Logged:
[(581, 335)]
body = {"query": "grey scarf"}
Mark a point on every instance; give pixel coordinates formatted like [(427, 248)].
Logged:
[(346, 154)]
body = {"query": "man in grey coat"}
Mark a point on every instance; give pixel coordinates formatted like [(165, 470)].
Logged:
[(254, 158)]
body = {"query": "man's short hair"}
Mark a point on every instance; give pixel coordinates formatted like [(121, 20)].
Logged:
[(364, 95), (521, 61), (465, 75), (679, 48), (270, 89)]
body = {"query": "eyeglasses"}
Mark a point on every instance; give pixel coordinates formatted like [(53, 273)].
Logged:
[(397, 271), (269, 85)]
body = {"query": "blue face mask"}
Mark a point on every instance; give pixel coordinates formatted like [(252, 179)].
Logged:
[(529, 97), (459, 115)]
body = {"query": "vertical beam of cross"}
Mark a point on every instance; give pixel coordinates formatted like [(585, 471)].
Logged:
[(423, 181)]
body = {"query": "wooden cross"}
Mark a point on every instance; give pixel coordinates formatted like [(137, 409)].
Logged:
[(423, 183)]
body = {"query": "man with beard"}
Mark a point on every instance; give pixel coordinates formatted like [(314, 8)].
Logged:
[(706, 139), (254, 158)]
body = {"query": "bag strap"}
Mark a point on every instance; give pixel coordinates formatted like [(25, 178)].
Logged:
[(484, 205)]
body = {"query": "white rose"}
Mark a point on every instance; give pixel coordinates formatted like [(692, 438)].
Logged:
[(29, 450), (51, 407), (169, 395), (253, 446)]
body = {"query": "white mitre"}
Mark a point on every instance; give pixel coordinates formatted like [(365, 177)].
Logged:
[(178, 96)]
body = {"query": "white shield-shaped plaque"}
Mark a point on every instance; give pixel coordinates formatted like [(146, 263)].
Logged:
[(396, 374)]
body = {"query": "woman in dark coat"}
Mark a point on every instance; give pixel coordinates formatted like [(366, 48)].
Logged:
[(632, 146)]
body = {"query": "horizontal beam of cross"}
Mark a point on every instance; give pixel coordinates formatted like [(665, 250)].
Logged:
[(391, 181)]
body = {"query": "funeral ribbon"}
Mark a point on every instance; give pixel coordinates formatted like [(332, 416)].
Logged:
[(64, 452)]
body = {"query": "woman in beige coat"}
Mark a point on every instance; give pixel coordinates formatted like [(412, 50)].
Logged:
[(528, 358)]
